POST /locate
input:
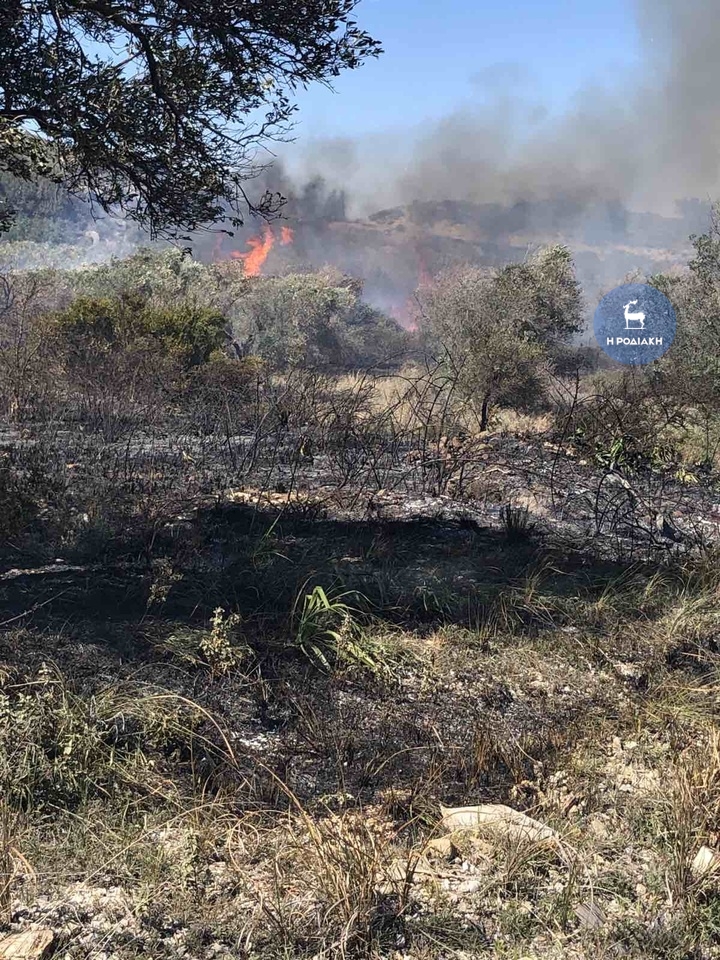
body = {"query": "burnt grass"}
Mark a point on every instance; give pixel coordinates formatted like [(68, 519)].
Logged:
[(500, 652), (97, 624)]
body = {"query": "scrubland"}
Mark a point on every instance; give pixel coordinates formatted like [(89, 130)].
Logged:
[(266, 627)]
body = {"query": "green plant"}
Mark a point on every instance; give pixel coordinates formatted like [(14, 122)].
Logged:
[(318, 319), (94, 327), (265, 550), (614, 455), (495, 331), (7, 831), (60, 748), (216, 647), (328, 632), (217, 644)]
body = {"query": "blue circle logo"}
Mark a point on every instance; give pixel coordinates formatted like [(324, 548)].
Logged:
[(635, 324)]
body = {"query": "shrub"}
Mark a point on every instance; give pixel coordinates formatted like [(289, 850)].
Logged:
[(316, 318), (29, 486), (627, 419), (27, 381), (690, 371), (93, 327), (486, 357), (58, 747), (219, 647), (495, 330), (218, 394), (165, 278)]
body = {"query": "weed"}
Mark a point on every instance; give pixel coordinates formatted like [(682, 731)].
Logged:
[(217, 645), (217, 648), (516, 524), (329, 633), (324, 888)]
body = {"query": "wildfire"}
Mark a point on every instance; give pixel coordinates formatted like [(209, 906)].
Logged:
[(254, 258), (260, 246), (405, 314), (424, 276)]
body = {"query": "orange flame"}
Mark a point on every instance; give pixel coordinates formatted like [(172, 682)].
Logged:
[(260, 246), (254, 258)]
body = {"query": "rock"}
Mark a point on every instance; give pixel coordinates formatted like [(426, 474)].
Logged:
[(469, 886), (500, 820), (442, 848), (590, 915), (632, 672), (705, 862), (35, 943), (401, 872), (667, 529)]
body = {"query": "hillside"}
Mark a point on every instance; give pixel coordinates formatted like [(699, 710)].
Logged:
[(393, 250), (298, 662)]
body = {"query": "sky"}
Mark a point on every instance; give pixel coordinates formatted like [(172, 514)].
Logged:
[(440, 57)]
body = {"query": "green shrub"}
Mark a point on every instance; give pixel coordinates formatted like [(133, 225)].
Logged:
[(330, 634), (92, 327), (317, 318), (219, 648), (628, 419), (60, 747), (496, 331)]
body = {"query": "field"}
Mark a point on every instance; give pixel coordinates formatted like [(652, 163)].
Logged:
[(359, 495), (250, 663)]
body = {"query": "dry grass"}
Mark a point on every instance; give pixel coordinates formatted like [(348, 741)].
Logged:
[(586, 700), (510, 421)]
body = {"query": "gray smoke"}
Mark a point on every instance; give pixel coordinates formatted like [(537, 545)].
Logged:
[(648, 138)]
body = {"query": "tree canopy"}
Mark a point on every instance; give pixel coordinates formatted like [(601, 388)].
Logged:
[(161, 108)]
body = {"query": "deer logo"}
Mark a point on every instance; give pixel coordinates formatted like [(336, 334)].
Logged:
[(634, 321)]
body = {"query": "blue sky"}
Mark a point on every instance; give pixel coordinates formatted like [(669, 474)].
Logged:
[(440, 56)]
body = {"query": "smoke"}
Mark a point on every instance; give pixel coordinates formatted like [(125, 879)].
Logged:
[(506, 172), (649, 137), (679, 104)]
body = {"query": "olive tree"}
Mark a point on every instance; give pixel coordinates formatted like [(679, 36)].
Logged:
[(688, 376), (316, 319), (161, 107), (496, 329)]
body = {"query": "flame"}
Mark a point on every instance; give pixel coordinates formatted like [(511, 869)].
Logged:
[(405, 314), (254, 258), (260, 246)]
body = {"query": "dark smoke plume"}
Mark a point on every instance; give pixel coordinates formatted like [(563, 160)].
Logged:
[(648, 139)]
